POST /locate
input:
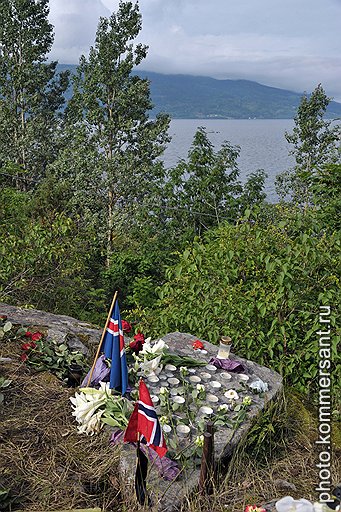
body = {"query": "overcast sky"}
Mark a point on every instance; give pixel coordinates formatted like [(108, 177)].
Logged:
[(291, 44)]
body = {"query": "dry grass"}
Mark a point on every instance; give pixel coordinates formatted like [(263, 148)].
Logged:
[(44, 462), (48, 466)]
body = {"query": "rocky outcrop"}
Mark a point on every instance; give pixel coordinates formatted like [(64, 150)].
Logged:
[(166, 496), (169, 497), (63, 329)]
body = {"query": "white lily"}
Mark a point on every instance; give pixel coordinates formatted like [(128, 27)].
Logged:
[(152, 367), (86, 404), (93, 425), (84, 412), (156, 348)]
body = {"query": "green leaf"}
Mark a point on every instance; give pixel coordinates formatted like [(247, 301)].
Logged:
[(7, 327)]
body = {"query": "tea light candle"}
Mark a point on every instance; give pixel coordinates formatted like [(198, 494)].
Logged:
[(169, 374), (174, 391), (195, 379), (205, 410), (212, 398), (155, 399), (173, 381), (215, 384), (211, 368), (226, 376), (183, 430), (153, 378), (166, 428), (243, 377), (178, 399), (206, 376), (170, 368)]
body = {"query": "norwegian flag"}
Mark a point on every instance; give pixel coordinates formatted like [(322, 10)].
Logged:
[(144, 421), (113, 348)]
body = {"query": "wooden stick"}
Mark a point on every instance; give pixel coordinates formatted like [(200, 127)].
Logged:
[(102, 337), (207, 462)]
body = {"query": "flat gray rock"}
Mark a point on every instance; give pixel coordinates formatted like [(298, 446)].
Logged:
[(167, 496), (61, 328)]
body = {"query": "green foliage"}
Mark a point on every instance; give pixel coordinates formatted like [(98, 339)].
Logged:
[(203, 190), (4, 383), (316, 143), (326, 190), (110, 108), (262, 285), (48, 355), (42, 260), (117, 412), (31, 93)]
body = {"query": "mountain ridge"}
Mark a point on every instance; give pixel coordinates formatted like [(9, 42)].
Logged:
[(201, 97)]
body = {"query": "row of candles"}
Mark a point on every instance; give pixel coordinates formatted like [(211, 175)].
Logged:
[(206, 375)]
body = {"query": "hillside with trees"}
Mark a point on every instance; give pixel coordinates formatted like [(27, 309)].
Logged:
[(202, 97), (87, 207)]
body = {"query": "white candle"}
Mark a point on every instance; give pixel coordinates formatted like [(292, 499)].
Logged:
[(215, 384), (205, 410), (195, 379), (211, 368), (170, 367), (178, 399), (173, 381), (153, 378), (212, 398), (226, 376), (206, 376), (243, 377), (183, 430)]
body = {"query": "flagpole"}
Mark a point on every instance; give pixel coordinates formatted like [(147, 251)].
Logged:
[(102, 337)]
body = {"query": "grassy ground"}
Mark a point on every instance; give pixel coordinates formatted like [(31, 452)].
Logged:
[(48, 466)]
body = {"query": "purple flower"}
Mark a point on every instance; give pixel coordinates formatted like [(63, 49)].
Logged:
[(101, 374)]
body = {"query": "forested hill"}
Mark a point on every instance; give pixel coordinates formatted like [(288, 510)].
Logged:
[(198, 97)]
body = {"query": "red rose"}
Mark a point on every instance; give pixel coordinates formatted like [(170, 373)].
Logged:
[(33, 345), (138, 342), (139, 337), (28, 334), (3, 317), (24, 357), (36, 336), (26, 346), (126, 327), (198, 345)]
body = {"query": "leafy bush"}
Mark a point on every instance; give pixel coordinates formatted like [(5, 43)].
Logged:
[(260, 284)]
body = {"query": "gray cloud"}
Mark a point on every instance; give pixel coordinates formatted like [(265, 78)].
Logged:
[(292, 44)]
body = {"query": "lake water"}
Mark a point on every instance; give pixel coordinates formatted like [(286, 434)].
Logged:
[(262, 144)]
